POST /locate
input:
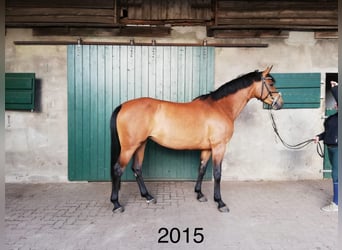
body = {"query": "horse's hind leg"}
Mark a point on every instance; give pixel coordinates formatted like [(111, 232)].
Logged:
[(137, 170), (116, 173), (218, 153), (205, 155)]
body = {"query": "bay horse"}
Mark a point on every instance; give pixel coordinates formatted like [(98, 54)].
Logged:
[(204, 124)]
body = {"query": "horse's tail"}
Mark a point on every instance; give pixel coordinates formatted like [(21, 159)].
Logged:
[(115, 141)]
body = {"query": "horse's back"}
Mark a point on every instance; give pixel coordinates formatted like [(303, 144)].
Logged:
[(146, 106)]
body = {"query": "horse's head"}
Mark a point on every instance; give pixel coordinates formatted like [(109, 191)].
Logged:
[(267, 92)]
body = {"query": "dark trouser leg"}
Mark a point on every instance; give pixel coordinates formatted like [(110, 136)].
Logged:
[(333, 157), (116, 173), (335, 189)]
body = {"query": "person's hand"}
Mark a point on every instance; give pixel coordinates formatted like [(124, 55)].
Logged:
[(333, 84), (316, 139)]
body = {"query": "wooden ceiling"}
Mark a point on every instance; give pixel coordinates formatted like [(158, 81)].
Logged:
[(223, 18)]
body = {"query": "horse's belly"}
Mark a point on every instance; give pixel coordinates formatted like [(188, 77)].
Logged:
[(181, 139), (180, 144)]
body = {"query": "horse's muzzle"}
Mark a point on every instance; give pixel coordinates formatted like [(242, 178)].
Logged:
[(278, 102)]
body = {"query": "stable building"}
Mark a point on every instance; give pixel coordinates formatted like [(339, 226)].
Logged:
[(70, 63)]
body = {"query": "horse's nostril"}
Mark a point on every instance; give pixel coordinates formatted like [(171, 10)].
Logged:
[(277, 106)]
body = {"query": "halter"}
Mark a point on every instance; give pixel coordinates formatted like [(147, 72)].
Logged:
[(269, 92)]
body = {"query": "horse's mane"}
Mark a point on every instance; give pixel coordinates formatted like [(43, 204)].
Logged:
[(233, 86)]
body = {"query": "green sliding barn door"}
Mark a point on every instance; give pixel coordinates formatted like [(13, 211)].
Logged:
[(101, 77)]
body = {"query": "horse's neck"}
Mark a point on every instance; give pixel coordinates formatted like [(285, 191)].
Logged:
[(233, 104)]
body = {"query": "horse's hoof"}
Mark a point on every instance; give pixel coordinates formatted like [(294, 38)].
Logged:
[(152, 201), (118, 210), (202, 199), (224, 209)]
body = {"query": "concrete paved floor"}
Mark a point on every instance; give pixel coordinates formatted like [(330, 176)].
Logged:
[(264, 215)]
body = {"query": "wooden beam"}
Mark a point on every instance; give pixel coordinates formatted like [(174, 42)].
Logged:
[(59, 19), (67, 25), (220, 44), (288, 27), (115, 31), (269, 22), (169, 10), (130, 31), (60, 3), (241, 34), (326, 35), (258, 5), (179, 22), (282, 14), (58, 12), (330, 14), (74, 31)]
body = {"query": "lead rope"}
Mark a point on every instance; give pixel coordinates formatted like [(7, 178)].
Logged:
[(295, 146)]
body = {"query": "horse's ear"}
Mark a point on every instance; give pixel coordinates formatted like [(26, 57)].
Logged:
[(267, 71)]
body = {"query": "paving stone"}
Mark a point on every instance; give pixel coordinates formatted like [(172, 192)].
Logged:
[(263, 215)]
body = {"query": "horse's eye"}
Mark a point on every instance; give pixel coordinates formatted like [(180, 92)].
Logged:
[(272, 84)]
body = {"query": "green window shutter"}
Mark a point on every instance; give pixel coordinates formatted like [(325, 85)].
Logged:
[(20, 91), (299, 90)]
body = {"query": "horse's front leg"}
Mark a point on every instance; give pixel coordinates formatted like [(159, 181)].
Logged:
[(205, 155), (218, 154), (137, 170)]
